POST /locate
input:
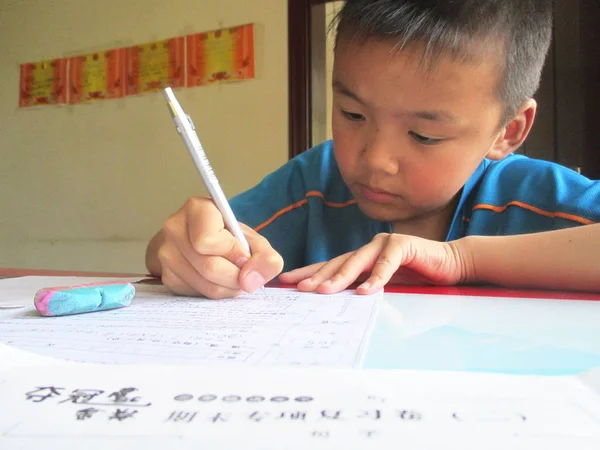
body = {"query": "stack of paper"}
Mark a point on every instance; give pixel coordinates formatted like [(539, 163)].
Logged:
[(294, 383)]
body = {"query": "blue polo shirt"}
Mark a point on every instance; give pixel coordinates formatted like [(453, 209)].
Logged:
[(308, 214)]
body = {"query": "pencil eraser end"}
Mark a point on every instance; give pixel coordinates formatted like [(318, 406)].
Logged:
[(62, 301)]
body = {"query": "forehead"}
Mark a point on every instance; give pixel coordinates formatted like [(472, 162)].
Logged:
[(381, 74)]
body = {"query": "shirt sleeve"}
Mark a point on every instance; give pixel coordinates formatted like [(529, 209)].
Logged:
[(523, 195)]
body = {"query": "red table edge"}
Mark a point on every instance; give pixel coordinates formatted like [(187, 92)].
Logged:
[(471, 291), (13, 273)]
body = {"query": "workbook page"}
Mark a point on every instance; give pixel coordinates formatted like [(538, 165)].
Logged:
[(282, 328)]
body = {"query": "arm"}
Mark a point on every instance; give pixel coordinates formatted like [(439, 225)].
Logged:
[(567, 259), (560, 259)]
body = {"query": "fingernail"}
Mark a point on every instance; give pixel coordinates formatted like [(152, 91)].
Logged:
[(365, 286), (241, 261), (326, 283), (254, 280)]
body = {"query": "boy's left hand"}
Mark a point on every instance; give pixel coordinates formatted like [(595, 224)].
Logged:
[(394, 258)]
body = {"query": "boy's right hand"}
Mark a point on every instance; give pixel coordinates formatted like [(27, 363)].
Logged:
[(198, 255)]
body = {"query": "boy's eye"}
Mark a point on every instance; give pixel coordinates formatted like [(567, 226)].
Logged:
[(352, 116), (424, 139)]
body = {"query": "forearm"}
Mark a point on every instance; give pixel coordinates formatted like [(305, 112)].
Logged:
[(565, 259), (152, 261)]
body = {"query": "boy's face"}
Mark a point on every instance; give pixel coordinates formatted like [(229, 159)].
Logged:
[(406, 140)]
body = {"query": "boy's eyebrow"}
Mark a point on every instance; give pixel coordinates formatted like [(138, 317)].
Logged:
[(435, 116), (343, 89)]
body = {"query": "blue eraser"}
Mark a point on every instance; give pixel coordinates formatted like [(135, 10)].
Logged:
[(83, 298)]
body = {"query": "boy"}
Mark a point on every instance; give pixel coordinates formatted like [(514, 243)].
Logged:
[(420, 183)]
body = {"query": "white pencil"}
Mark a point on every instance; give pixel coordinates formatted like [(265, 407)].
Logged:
[(186, 129)]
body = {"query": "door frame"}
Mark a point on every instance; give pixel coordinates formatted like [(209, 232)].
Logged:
[(301, 17)]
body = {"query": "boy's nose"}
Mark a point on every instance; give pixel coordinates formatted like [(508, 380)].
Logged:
[(380, 156)]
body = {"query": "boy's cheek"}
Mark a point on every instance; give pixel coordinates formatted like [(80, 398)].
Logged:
[(346, 157)]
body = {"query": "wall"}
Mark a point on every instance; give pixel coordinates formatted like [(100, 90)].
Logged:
[(322, 56), (332, 9), (85, 187)]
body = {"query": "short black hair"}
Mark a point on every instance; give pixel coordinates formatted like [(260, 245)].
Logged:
[(523, 28)]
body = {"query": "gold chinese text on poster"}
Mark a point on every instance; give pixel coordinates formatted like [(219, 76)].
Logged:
[(155, 65), (226, 54), (43, 83), (97, 76), (220, 55)]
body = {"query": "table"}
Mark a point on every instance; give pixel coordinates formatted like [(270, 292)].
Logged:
[(470, 328)]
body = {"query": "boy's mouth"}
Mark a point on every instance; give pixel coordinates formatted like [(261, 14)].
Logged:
[(376, 195)]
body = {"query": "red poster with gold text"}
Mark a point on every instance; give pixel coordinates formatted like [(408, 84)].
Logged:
[(97, 76), (220, 55), (43, 83), (155, 65)]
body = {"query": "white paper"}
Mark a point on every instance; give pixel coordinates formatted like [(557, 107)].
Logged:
[(285, 328), (126, 407), (11, 357)]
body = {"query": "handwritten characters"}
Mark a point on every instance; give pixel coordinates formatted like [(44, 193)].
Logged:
[(117, 405), (40, 394), (127, 402)]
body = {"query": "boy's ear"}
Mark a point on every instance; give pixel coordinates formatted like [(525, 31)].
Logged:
[(514, 133)]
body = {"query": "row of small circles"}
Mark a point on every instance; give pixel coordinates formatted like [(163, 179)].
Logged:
[(237, 398)]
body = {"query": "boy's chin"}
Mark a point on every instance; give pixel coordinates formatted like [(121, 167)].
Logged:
[(386, 212)]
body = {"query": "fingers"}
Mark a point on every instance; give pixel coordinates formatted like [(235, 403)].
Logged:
[(207, 234), (335, 275), (181, 278), (393, 255), (334, 279), (381, 257), (179, 287), (176, 285), (298, 275), (188, 271), (320, 280), (199, 254), (179, 256), (264, 264)]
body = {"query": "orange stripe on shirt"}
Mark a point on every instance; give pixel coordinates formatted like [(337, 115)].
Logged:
[(539, 211), (330, 204), (300, 203)]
